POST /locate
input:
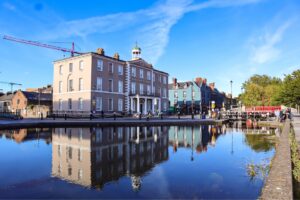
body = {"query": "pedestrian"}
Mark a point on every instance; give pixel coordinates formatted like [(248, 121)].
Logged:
[(115, 116), (91, 115), (178, 114)]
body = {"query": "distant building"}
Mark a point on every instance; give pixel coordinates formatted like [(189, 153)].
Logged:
[(185, 96), (93, 157), (5, 102), (194, 96), (31, 104), (97, 82), (47, 89)]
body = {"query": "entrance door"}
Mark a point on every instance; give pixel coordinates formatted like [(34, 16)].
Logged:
[(141, 108)]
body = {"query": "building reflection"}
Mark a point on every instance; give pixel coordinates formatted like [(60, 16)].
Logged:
[(93, 157), (195, 137), (30, 134)]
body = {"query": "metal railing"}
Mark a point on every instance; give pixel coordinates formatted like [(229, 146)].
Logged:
[(84, 114), (10, 115)]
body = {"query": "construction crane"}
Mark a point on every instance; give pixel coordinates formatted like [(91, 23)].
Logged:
[(11, 85), (35, 43)]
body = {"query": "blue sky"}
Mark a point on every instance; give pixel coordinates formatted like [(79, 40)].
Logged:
[(220, 40)]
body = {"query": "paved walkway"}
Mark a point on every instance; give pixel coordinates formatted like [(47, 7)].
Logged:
[(26, 123), (279, 182)]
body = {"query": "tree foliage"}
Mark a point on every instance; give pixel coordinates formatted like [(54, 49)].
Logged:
[(290, 92), (262, 90)]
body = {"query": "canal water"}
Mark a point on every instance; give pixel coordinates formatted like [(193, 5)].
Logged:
[(196, 162)]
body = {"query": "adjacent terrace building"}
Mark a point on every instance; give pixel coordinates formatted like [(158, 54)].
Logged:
[(97, 82), (194, 96)]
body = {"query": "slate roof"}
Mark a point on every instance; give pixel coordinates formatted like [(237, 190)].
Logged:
[(34, 96), (181, 85), (6, 97)]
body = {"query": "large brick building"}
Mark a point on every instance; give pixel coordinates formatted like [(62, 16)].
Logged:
[(97, 82)]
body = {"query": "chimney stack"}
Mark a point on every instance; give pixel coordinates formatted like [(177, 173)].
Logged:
[(100, 51), (212, 86), (198, 80), (117, 56), (174, 82)]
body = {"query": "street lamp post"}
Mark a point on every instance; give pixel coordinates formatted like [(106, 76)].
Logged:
[(231, 94)]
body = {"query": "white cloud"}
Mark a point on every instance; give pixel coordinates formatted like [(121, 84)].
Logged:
[(267, 50), (9, 6), (153, 24)]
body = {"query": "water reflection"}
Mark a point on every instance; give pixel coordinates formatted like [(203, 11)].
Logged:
[(196, 137), (30, 134), (186, 161), (94, 156)]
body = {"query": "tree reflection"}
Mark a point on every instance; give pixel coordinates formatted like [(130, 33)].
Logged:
[(260, 143)]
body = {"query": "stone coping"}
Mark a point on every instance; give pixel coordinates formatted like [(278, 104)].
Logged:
[(31, 123), (279, 183)]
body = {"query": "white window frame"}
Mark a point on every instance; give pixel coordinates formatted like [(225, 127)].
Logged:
[(99, 103), (120, 69), (133, 87), (120, 105), (141, 88), (99, 84), (111, 67), (81, 65), (112, 104), (120, 86), (80, 104), (71, 67), (164, 79), (165, 106), (70, 86), (60, 104), (60, 69), (164, 92), (70, 104), (148, 75), (99, 65), (60, 86), (148, 89), (133, 72), (80, 88), (141, 74), (112, 85)]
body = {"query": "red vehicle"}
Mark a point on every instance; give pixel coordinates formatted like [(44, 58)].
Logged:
[(264, 109)]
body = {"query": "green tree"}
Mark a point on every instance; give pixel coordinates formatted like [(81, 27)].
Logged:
[(261, 90), (290, 90)]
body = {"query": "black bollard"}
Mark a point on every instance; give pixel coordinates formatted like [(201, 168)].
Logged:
[(102, 114), (65, 116), (114, 116)]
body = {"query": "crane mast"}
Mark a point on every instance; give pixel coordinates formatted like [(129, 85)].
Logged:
[(11, 84)]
